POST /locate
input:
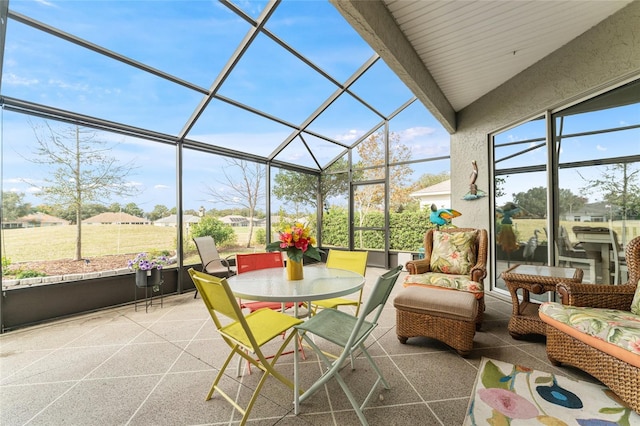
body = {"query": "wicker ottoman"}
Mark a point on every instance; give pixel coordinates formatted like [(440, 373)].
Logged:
[(445, 315)]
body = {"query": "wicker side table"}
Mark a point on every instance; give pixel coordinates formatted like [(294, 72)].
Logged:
[(537, 280)]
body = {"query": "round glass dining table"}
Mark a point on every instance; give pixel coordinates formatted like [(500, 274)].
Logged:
[(272, 285)]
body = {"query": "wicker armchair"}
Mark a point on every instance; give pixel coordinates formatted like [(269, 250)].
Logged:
[(477, 273), (621, 377)]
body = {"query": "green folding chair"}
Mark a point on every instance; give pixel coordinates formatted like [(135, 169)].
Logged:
[(349, 333), (244, 333)]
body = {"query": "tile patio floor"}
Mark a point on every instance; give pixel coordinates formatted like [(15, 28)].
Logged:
[(122, 367)]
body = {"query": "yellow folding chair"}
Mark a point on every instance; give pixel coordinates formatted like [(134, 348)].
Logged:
[(244, 333), (355, 261)]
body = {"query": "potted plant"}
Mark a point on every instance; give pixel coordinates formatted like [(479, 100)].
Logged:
[(148, 270), (296, 241)]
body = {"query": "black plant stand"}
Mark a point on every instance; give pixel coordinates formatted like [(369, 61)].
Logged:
[(148, 280)]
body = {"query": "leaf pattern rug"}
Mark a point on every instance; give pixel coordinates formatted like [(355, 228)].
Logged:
[(509, 395)]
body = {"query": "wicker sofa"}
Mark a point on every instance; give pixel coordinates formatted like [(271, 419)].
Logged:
[(597, 329)]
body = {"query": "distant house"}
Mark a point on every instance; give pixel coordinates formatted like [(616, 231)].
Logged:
[(172, 220), (593, 212), (111, 218), (35, 220), (277, 219), (438, 194), (235, 220)]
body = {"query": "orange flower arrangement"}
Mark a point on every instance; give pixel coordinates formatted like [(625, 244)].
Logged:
[(296, 241)]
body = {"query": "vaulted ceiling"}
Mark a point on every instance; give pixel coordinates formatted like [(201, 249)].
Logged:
[(451, 53)]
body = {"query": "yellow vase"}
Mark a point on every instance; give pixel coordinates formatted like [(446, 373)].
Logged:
[(294, 270)]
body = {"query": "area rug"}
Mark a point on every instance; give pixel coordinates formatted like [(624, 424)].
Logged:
[(507, 394)]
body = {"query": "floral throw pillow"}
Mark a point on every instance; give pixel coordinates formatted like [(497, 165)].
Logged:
[(453, 252), (635, 305)]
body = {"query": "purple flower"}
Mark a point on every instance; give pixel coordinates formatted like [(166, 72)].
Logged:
[(142, 262)]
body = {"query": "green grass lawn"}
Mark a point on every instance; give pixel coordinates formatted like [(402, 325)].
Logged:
[(58, 242), (524, 228)]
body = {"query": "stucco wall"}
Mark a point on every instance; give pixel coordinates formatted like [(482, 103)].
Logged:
[(603, 56)]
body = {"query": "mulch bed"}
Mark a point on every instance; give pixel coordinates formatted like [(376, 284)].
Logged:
[(70, 266)]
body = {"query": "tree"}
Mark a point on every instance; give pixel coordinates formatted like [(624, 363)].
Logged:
[(499, 186), (334, 182), (533, 202), (82, 170), (296, 189), (372, 153), (368, 198), (246, 190), (88, 210), (133, 209), (210, 226), (429, 179), (302, 188), (619, 185), (68, 212), (569, 202), (158, 212), (13, 206)]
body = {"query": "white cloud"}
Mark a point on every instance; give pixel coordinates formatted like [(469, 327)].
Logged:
[(161, 187), (14, 80), (33, 185), (415, 132), (64, 85), (45, 3), (134, 184), (350, 136), (429, 150), (600, 148)]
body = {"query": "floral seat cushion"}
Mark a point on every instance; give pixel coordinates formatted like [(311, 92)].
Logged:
[(604, 327), (454, 282)]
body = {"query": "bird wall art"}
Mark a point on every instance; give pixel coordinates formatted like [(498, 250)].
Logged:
[(506, 238), (474, 193), (442, 217)]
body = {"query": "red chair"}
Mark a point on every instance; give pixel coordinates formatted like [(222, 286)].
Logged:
[(254, 261)]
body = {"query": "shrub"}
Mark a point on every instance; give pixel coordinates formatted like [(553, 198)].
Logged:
[(407, 230), (210, 226), (5, 265), (22, 273), (29, 273), (261, 236), (335, 227)]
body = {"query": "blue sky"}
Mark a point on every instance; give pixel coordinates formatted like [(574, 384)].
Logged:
[(193, 41), (581, 146)]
